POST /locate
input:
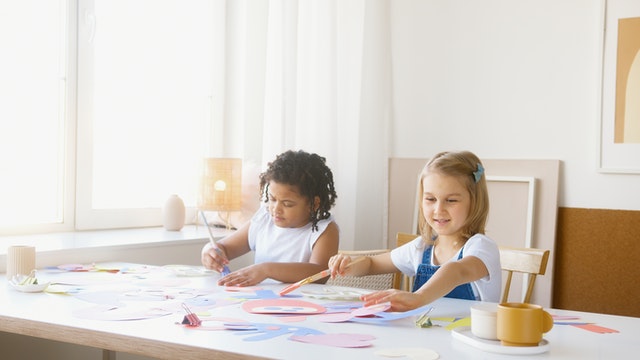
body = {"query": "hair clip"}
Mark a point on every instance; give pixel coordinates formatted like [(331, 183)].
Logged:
[(477, 175)]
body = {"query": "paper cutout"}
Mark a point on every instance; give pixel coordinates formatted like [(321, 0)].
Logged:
[(269, 331), (335, 317), (371, 310), (596, 329), (559, 317), (411, 353), (115, 313), (282, 306), (338, 340), (383, 317), (242, 288), (74, 267), (266, 331), (330, 293), (342, 306), (372, 314), (582, 325), (361, 311), (466, 321), (293, 318), (261, 294)]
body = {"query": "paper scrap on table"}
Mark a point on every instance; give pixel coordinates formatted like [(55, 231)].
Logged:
[(582, 324), (115, 313), (466, 321), (337, 340), (596, 329), (282, 306), (411, 353)]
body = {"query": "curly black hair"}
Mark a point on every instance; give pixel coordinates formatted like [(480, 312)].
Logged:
[(309, 173)]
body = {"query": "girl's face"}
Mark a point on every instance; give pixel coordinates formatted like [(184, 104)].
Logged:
[(445, 203), (287, 207)]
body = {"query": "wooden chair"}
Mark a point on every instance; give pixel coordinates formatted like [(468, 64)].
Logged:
[(528, 261), (400, 280), (372, 282)]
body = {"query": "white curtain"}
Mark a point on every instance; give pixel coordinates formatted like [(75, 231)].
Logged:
[(312, 75)]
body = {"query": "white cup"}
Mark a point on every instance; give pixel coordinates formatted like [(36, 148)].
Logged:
[(484, 321), (21, 259)]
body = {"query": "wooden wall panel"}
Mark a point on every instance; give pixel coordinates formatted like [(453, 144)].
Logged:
[(597, 263)]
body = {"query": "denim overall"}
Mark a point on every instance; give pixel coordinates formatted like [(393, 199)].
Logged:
[(426, 271)]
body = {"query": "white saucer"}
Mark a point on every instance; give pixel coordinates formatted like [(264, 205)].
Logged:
[(463, 333), (29, 288)]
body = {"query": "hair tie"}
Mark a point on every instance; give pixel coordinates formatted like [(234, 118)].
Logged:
[(477, 175)]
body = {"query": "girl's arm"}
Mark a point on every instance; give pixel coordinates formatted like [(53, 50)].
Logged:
[(370, 265), (231, 247), (450, 275), (326, 246)]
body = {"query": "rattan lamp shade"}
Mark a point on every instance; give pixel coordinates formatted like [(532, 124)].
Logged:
[(221, 186)]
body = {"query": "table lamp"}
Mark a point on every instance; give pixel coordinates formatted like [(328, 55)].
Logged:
[(221, 186)]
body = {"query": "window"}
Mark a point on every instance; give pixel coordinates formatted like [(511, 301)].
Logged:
[(32, 114), (141, 123)]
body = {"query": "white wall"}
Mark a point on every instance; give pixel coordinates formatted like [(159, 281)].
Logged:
[(507, 80)]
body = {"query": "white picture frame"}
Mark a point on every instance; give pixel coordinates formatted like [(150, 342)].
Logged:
[(618, 154)]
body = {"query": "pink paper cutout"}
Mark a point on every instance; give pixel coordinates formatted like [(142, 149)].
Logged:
[(282, 306), (371, 310), (364, 311), (293, 318), (596, 328), (338, 340), (334, 317)]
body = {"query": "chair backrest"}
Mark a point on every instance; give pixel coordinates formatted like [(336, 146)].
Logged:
[(400, 280), (372, 282), (528, 261)]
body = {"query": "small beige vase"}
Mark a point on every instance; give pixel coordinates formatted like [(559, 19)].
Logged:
[(173, 213)]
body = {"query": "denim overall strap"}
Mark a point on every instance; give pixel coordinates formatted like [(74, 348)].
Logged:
[(426, 270)]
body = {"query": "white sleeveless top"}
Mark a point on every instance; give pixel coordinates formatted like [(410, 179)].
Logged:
[(276, 244)]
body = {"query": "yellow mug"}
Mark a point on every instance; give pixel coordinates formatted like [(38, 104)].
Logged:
[(520, 324)]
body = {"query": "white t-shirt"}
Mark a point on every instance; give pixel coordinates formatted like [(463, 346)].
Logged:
[(277, 244), (408, 257)]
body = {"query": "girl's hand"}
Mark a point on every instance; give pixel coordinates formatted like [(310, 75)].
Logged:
[(399, 300), (248, 276), (338, 264), (213, 258)]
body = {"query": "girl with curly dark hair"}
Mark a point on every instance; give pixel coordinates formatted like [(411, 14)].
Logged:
[(293, 234)]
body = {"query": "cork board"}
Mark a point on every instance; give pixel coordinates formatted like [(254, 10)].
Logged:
[(596, 264), (523, 209)]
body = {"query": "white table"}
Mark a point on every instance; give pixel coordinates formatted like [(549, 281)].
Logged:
[(51, 316)]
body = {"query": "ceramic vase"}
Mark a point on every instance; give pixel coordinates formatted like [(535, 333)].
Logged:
[(173, 213)]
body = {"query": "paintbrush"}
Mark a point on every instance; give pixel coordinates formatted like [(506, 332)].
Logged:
[(225, 269), (314, 278)]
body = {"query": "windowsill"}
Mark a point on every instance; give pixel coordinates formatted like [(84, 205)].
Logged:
[(151, 246), (121, 238)]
